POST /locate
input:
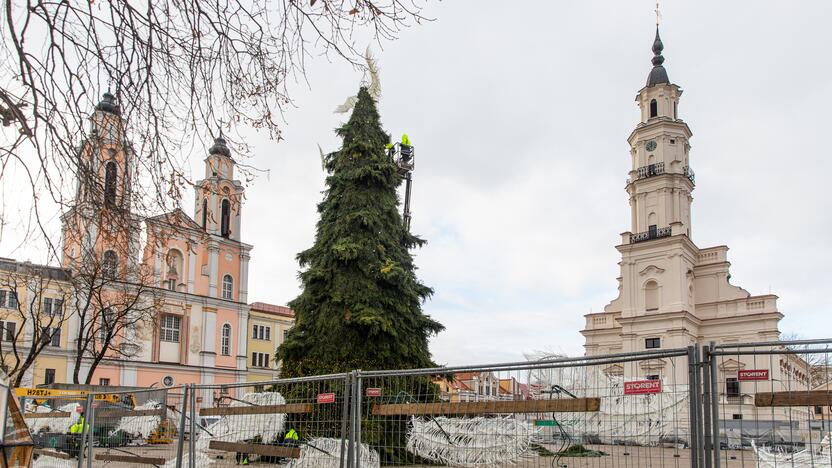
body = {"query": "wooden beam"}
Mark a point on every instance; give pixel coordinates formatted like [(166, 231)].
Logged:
[(53, 414), (52, 453), (256, 449), (576, 405), (120, 413), (130, 459), (292, 408), (795, 398)]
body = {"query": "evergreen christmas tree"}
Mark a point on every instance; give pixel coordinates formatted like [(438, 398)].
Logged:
[(361, 305)]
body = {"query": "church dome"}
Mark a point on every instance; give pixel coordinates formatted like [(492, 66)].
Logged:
[(658, 75), (108, 104), (220, 147)]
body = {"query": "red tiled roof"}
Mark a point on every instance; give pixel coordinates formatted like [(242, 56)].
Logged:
[(272, 309)]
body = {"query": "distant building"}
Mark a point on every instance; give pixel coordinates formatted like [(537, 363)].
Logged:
[(196, 270), (268, 326), (481, 386)]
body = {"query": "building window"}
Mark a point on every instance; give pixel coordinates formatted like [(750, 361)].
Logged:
[(48, 376), (227, 287), (107, 325), (171, 284), (110, 182), (8, 299), (53, 307), (652, 343), (225, 345), (736, 416), (104, 382), (259, 360), (732, 387), (109, 264), (818, 410), (261, 332), (52, 336), (652, 377), (651, 295), (205, 213), (7, 331), (654, 108), (672, 141), (226, 219), (675, 110), (286, 334), (170, 328)]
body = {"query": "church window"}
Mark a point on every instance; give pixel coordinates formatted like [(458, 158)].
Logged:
[(225, 345), (654, 108), (109, 264), (675, 108), (227, 287), (170, 328), (226, 218), (672, 141), (732, 387), (110, 181), (652, 343), (651, 295), (205, 213)]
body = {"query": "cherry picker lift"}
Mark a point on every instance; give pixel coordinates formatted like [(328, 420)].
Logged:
[(404, 155)]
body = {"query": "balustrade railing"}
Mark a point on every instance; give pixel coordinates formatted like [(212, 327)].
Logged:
[(650, 234)]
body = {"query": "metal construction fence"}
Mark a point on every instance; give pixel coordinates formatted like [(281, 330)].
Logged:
[(753, 404)]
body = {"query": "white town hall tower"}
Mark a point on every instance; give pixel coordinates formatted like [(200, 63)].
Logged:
[(672, 293)]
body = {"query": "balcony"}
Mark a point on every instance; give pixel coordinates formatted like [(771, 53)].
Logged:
[(690, 175), (650, 170), (651, 234)]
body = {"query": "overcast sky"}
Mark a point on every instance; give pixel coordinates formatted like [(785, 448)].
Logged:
[(520, 111)]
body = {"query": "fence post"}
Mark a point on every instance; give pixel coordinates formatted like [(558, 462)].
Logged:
[(345, 419), (82, 446), (714, 406), (192, 438), (694, 449), (181, 435), (89, 421), (706, 406), (351, 448), (357, 407)]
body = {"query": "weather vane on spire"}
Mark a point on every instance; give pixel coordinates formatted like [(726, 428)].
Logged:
[(658, 13)]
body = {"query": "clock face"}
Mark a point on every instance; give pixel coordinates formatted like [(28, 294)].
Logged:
[(651, 145)]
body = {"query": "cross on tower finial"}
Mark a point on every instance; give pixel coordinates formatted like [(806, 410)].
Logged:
[(658, 13)]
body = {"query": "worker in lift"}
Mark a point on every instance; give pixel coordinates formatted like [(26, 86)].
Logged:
[(406, 148)]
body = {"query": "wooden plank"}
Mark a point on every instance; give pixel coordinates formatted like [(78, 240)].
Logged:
[(575, 405), (120, 413), (53, 414), (292, 408), (130, 459), (53, 453), (256, 449), (795, 398)]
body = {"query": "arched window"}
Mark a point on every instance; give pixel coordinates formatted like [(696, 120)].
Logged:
[(225, 343), (652, 225), (109, 264), (110, 182), (651, 295), (226, 218), (675, 110), (227, 287), (654, 108), (205, 213)]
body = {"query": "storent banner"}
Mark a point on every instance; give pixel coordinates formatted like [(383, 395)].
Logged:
[(641, 387), (753, 374)]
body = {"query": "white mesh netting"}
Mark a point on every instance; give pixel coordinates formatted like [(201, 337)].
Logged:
[(142, 425), (61, 425), (471, 441), (819, 457), (44, 461), (325, 452)]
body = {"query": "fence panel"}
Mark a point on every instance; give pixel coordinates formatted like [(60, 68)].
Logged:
[(57, 423), (299, 422), (617, 410), (771, 404)]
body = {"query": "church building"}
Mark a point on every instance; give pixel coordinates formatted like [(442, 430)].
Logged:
[(672, 292)]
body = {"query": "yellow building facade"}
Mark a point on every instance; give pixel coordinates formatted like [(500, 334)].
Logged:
[(268, 325)]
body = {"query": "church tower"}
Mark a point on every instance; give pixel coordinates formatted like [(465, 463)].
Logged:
[(99, 231), (219, 196), (672, 294)]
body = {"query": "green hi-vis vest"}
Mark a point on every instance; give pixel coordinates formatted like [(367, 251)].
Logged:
[(291, 435)]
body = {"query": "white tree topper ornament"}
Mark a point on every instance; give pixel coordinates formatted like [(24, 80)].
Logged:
[(373, 87)]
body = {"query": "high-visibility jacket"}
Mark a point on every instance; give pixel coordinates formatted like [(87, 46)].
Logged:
[(291, 435), (405, 139), (78, 428)]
